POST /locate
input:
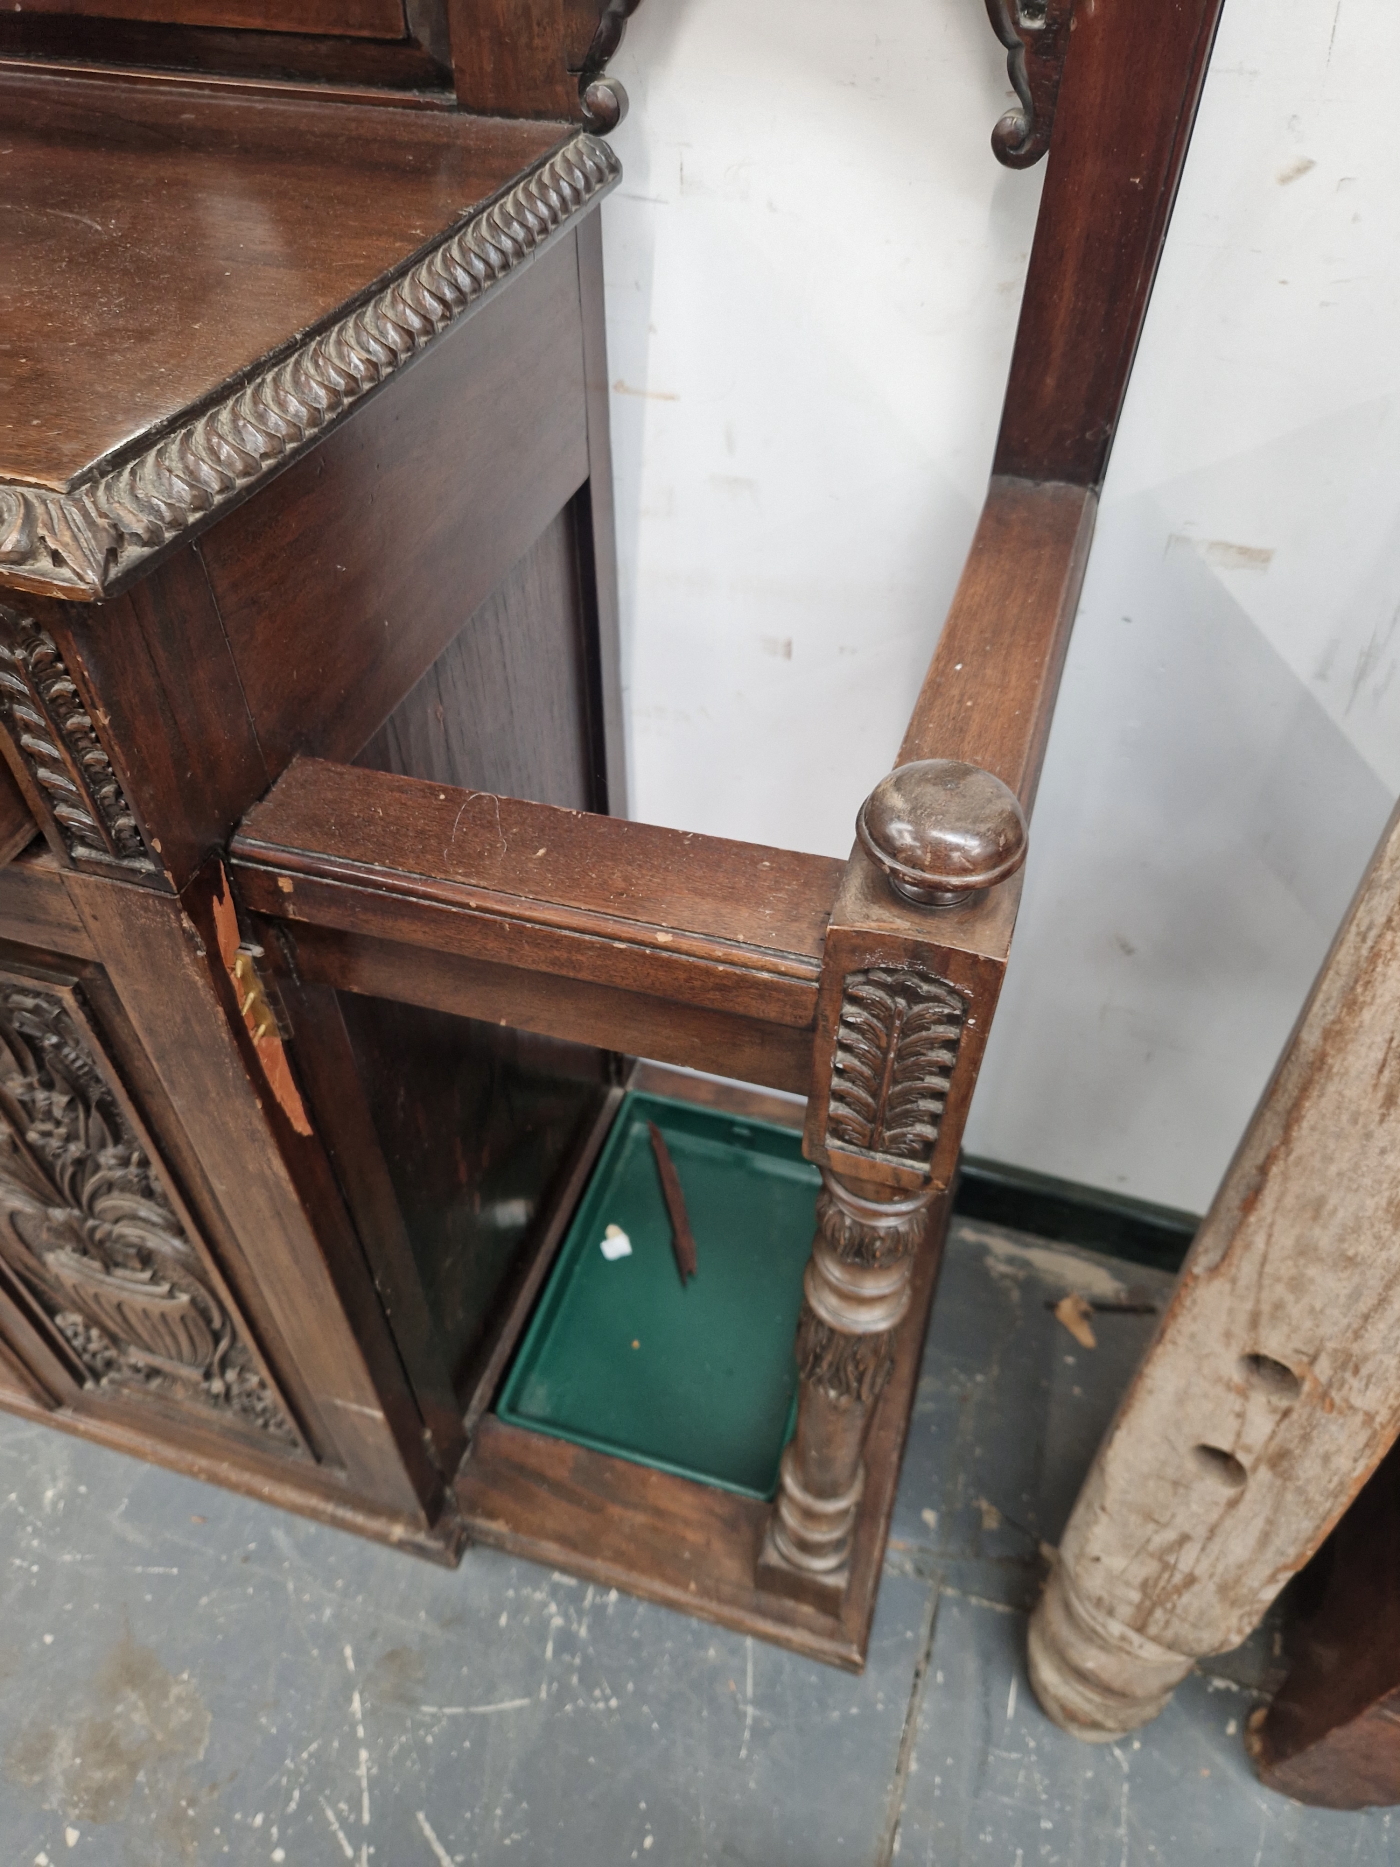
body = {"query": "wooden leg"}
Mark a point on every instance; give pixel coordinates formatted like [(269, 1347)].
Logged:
[(856, 1290), (1272, 1390)]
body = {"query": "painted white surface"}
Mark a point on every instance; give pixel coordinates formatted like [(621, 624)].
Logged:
[(814, 268)]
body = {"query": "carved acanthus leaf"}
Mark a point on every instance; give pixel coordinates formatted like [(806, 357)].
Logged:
[(849, 1369), (86, 1223), (1036, 36), (88, 540), (896, 1045), (856, 1241)]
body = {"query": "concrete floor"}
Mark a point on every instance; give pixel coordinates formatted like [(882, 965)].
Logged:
[(185, 1676)]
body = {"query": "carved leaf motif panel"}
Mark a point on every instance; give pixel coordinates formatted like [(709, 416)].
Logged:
[(896, 1045), (86, 1223), (59, 747)]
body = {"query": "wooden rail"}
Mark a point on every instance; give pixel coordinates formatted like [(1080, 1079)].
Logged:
[(690, 949)]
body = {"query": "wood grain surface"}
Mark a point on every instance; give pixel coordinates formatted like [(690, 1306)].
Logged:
[(736, 925), (248, 221), (1127, 105), (1270, 1392)]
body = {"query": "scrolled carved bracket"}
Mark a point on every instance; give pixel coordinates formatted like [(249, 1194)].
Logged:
[(603, 99), (87, 542), (1036, 36)]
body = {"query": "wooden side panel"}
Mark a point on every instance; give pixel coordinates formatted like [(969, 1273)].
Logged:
[(36, 910), (1127, 104), (504, 708), (171, 709), (345, 580), (17, 826)]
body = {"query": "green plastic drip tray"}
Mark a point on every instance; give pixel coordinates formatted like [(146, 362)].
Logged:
[(698, 1380)]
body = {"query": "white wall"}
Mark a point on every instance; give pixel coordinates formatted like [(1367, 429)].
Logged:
[(814, 269)]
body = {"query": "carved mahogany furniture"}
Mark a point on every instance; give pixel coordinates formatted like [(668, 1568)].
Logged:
[(317, 998)]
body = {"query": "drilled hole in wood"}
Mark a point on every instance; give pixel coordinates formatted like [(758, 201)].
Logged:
[(1273, 1376), (1222, 1466)]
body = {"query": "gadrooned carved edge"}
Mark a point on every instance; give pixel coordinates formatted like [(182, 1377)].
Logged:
[(84, 541)]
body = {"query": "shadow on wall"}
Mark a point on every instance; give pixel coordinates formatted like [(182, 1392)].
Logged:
[(814, 268), (1148, 996)]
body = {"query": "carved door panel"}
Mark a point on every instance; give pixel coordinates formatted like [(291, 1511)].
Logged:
[(95, 1242)]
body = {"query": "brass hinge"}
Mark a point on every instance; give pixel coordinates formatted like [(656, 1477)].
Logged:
[(262, 1014)]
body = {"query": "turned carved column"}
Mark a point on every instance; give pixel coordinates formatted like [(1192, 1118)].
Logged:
[(934, 836)]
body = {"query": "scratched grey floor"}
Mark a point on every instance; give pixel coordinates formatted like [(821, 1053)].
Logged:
[(185, 1676)]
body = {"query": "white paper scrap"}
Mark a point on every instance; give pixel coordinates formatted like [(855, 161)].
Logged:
[(615, 1244)]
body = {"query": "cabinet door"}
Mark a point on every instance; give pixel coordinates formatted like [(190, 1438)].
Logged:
[(96, 1244)]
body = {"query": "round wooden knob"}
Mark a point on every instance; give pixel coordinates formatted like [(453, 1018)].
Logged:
[(943, 831)]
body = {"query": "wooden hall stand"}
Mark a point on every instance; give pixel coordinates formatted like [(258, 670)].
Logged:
[(314, 999)]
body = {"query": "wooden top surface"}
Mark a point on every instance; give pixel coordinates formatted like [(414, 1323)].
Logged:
[(157, 241), (602, 877)]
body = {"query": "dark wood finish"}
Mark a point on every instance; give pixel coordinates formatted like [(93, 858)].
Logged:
[(990, 690), (411, 73), (736, 927), (404, 520), (856, 1293), (17, 826), (304, 209), (138, 1306), (1127, 106), (1331, 1736), (610, 1017), (363, 19), (58, 758), (336, 1092), (408, 554), (521, 58), (505, 707), (172, 717), (159, 962), (1036, 36), (942, 831), (687, 1545), (35, 907)]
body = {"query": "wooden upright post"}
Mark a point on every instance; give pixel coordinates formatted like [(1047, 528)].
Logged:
[(1272, 1389), (934, 835)]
